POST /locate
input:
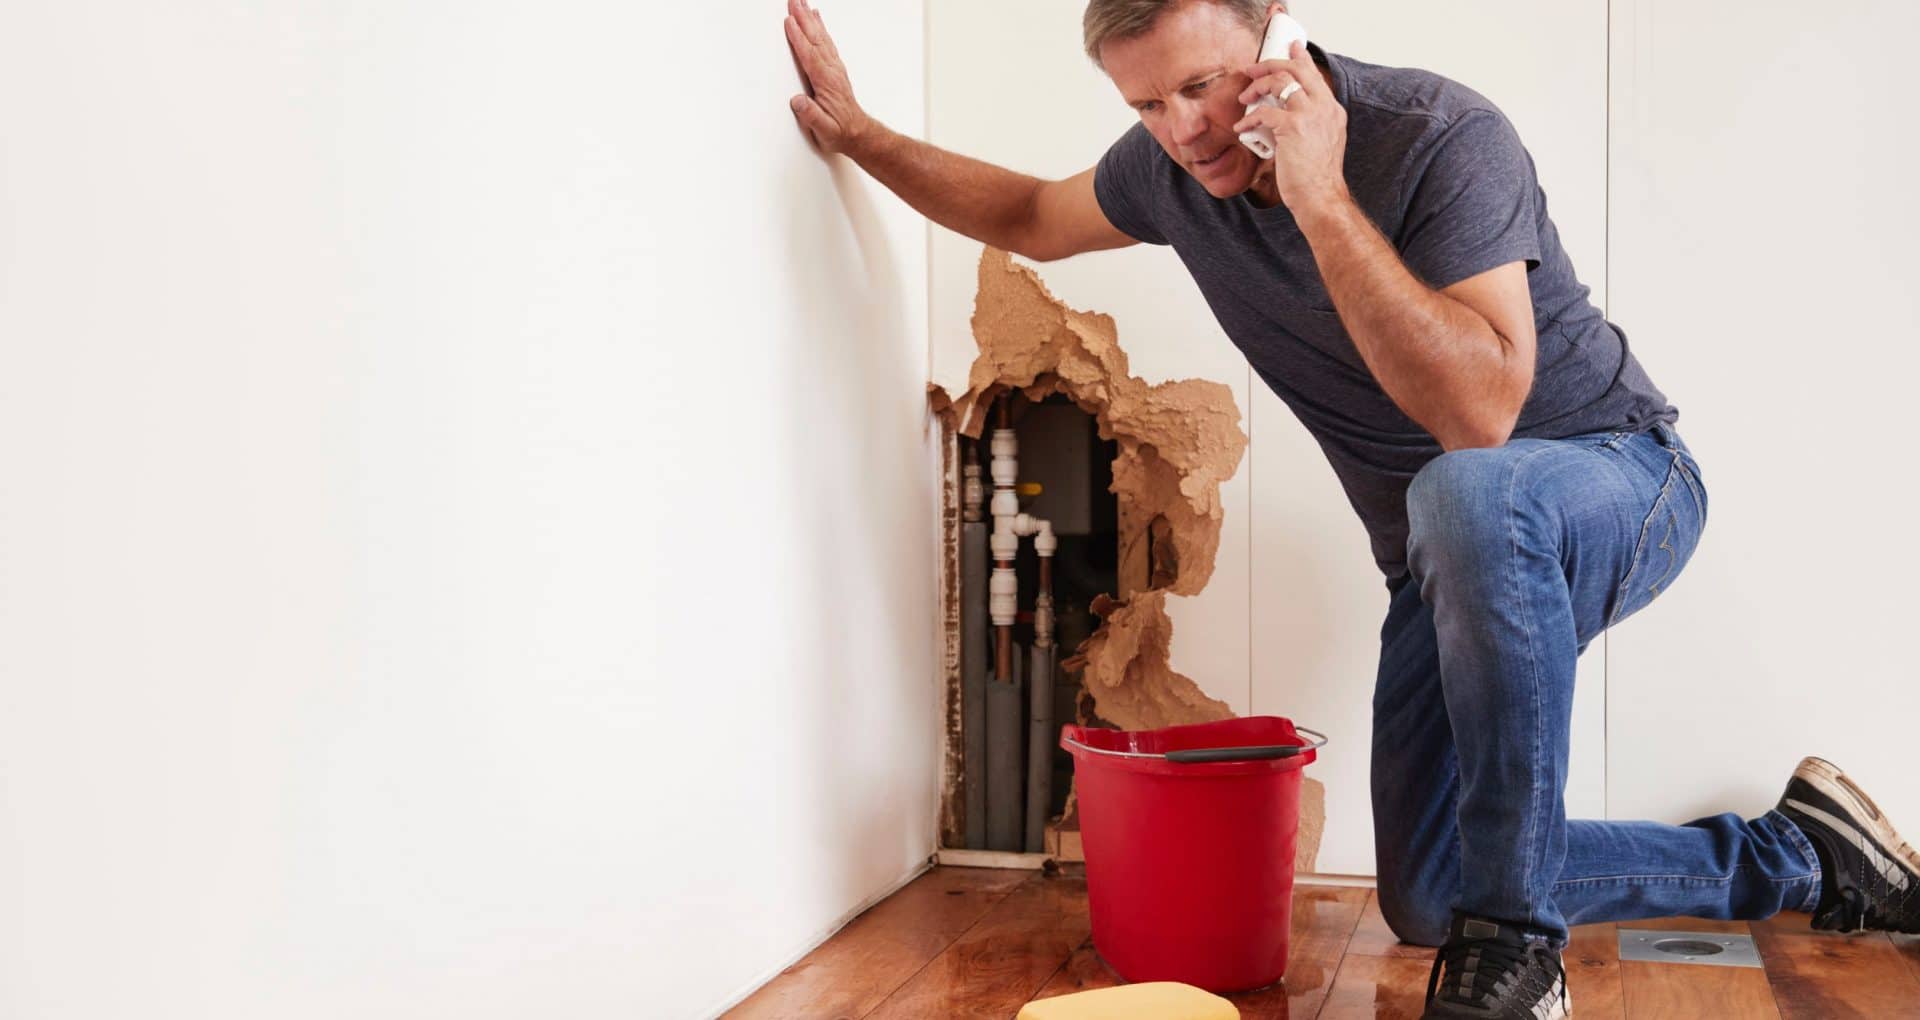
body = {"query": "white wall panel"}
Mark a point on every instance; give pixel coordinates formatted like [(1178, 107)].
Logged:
[(1764, 213), (466, 509)]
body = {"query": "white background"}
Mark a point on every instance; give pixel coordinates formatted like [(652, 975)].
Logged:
[(466, 514)]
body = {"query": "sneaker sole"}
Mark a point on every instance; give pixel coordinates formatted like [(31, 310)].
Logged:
[(1827, 779)]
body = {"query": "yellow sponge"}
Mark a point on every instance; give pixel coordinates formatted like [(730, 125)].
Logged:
[(1154, 1000)]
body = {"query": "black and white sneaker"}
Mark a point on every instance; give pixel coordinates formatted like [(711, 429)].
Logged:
[(1870, 877), (1488, 969)]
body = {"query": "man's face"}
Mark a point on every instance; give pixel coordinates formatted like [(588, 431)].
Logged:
[(1183, 77)]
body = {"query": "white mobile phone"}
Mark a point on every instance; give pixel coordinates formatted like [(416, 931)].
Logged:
[(1276, 45)]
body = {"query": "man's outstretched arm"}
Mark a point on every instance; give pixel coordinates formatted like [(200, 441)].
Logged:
[(1038, 219)]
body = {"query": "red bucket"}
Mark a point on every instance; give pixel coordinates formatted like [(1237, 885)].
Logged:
[(1189, 836)]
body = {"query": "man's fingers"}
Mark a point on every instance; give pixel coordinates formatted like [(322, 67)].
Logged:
[(819, 34), (810, 23), (1299, 66), (807, 112), (1271, 85), (1307, 71), (832, 47), (1270, 116), (822, 129), (802, 46)]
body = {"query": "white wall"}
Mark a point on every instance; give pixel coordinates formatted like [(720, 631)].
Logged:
[(1290, 623), (466, 523), (1762, 244)]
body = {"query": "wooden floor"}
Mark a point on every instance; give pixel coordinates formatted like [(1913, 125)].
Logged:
[(972, 942)]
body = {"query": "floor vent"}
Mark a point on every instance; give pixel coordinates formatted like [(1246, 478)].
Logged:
[(1711, 949)]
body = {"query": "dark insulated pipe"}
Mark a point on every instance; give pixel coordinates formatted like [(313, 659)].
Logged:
[(974, 648)]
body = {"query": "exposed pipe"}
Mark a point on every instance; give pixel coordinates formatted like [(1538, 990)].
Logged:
[(1006, 771), (973, 648), (1009, 827), (1040, 728)]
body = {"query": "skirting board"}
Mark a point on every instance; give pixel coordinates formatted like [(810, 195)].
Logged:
[(991, 859), (1038, 862)]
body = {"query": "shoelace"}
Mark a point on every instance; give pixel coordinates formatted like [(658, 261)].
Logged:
[(1489, 963)]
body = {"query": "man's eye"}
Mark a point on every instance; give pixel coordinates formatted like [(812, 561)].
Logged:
[(1149, 107), (1198, 87)]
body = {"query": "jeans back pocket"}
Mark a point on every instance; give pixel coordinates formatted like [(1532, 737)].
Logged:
[(1667, 539)]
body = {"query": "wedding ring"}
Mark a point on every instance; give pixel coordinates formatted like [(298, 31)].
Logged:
[(1287, 93)]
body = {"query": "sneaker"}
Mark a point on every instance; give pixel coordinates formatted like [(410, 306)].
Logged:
[(1491, 969), (1869, 876)]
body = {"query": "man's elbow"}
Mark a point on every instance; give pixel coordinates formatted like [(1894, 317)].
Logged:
[(1040, 248), (1496, 418), (1490, 428)]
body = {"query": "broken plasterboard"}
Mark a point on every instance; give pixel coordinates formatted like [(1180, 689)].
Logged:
[(1177, 442)]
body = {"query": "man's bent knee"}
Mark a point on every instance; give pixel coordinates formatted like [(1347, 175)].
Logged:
[(1416, 918), (1457, 510)]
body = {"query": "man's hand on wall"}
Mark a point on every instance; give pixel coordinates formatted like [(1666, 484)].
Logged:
[(828, 113), (1309, 132)]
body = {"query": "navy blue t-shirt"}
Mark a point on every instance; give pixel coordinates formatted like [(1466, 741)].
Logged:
[(1440, 171)]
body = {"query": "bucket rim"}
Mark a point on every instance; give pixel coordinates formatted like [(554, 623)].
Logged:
[(1219, 754)]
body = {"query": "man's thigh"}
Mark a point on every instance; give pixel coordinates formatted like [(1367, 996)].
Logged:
[(1630, 528), (1605, 521)]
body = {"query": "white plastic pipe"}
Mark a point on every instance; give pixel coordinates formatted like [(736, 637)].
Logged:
[(1009, 526)]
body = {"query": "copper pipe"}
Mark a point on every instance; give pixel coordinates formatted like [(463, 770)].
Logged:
[(1003, 654)]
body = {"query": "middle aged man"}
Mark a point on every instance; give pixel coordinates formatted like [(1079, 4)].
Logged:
[(1393, 275)]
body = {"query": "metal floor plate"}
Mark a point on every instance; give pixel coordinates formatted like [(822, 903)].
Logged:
[(1710, 949)]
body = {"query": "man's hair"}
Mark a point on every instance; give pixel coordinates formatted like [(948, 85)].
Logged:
[(1127, 19)]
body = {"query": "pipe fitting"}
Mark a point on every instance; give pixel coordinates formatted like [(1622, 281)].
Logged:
[(1002, 597)]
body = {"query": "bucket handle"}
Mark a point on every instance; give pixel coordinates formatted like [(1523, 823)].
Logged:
[(1201, 755)]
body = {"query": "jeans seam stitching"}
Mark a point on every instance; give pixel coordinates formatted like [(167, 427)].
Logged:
[(1674, 878), (1533, 663), (1621, 595)]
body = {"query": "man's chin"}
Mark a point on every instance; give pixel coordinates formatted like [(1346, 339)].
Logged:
[(1234, 180), (1226, 185)]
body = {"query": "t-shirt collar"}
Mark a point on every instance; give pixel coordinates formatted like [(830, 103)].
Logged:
[(1336, 69)]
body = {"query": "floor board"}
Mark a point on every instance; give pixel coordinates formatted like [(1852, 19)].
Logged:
[(968, 942), (1592, 959), (1820, 975), (881, 949), (1909, 947), (1003, 960)]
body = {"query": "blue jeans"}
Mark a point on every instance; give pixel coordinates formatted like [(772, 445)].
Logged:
[(1519, 556)]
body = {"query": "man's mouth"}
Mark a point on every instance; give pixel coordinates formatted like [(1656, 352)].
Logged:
[(1214, 159)]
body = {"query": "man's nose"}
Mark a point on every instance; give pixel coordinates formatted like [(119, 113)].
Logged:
[(1189, 123)]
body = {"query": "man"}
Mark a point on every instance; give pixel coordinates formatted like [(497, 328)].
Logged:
[(1391, 272)]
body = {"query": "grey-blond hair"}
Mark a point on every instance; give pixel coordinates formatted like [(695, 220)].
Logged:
[(1126, 19)]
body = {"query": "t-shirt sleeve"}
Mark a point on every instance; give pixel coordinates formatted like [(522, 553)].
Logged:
[(1125, 183), (1474, 203)]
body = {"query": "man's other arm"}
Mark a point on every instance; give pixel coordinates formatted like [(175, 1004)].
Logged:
[(1039, 219)]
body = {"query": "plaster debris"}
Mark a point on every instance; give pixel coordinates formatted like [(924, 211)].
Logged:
[(1126, 671), (1177, 442)]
